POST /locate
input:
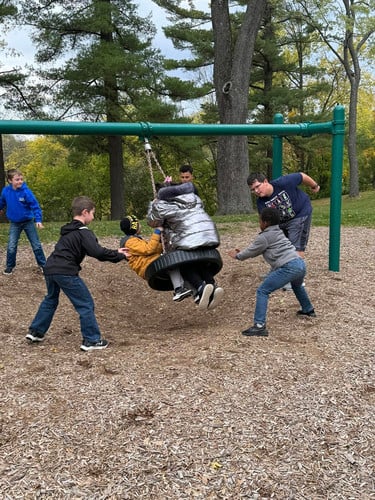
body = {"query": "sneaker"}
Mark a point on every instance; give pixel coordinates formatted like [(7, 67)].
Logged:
[(181, 293), (8, 271), (203, 296), (310, 314), (256, 331), (35, 337), (287, 287), (216, 297), (90, 346)]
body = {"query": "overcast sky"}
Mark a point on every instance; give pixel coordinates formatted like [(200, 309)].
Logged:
[(19, 40)]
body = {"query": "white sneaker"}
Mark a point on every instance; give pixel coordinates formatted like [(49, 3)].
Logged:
[(215, 298), (287, 287), (205, 296)]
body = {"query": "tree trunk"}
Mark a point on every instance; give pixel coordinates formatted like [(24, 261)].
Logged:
[(2, 176), (115, 150), (232, 66), (352, 140), (2, 164), (116, 177)]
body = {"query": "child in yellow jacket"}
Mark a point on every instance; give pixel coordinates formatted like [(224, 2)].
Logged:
[(140, 253)]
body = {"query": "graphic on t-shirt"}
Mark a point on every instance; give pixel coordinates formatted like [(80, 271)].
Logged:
[(283, 204)]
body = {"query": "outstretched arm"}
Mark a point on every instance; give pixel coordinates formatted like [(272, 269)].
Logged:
[(309, 181)]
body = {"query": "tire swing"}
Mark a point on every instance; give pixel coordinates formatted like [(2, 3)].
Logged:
[(157, 272)]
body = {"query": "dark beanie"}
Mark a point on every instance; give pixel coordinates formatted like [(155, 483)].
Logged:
[(129, 225)]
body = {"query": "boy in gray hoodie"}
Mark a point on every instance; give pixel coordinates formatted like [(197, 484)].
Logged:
[(286, 266)]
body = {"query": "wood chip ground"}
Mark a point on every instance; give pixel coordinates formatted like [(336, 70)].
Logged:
[(182, 406)]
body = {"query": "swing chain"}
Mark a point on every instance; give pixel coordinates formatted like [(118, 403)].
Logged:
[(151, 156)]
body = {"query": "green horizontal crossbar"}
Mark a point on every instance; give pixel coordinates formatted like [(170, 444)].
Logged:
[(145, 129)]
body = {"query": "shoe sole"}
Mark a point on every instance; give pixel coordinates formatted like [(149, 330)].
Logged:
[(205, 299), (306, 315), (216, 299), (255, 334), (31, 337), (93, 348)]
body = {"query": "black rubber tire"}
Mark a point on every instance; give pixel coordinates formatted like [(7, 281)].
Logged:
[(157, 272)]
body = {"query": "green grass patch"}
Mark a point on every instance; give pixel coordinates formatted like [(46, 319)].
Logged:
[(357, 212)]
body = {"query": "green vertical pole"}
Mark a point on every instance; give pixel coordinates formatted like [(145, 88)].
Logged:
[(338, 133), (277, 149)]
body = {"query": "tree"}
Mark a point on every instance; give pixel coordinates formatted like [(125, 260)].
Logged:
[(225, 41), (56, 180), (8, 78), (232, 65), (348, 37), (106, 68)]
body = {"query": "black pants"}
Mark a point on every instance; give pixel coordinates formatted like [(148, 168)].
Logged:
[(196, 273)]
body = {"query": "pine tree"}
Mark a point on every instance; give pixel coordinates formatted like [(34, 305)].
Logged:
[(95, 62), (9, 78)]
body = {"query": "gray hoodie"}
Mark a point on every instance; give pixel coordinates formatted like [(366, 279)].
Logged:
[(275, 247)]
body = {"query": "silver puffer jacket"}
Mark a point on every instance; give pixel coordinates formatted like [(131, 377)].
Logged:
[(180, 211)]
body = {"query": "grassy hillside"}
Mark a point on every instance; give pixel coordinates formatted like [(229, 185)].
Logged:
[(355, 212)]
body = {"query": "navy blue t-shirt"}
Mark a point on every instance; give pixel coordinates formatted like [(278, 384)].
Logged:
[(289, 200)]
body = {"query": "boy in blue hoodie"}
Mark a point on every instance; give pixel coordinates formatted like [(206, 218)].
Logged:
[(24, 214)]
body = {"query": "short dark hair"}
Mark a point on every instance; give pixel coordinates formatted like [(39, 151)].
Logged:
[(255, 176), (271, 216), (12, 172), (82, 203), (186, 168)]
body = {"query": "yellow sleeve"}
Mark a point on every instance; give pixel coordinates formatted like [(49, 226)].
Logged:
[(138, 246)]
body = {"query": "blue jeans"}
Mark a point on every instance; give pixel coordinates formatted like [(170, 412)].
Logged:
[(78, 294), (31, 231), (293, 272)]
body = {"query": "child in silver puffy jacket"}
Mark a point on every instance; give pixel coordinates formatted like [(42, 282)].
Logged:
[(188, 227)]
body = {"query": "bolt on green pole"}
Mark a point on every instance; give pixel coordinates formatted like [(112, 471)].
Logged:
[(277, 149), (338, 132)]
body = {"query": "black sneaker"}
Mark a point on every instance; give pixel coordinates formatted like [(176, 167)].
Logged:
[(91, 346), (256, 331), (181, 293), (7, 271), (35, 337), (310, 314)]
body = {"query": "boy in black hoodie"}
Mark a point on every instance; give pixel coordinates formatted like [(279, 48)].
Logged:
[(61, 272)]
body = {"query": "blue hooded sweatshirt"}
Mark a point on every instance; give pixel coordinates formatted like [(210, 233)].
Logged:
[(21, 204)]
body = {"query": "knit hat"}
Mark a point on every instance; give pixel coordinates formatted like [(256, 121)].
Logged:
[(129, 225)]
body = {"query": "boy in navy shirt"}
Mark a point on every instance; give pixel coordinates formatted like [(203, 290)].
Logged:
[(292, 203)]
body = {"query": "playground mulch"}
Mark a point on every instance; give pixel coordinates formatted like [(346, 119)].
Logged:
[(181, 405)]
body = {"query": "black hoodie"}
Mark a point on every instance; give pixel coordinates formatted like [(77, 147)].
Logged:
[(76, 241)]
